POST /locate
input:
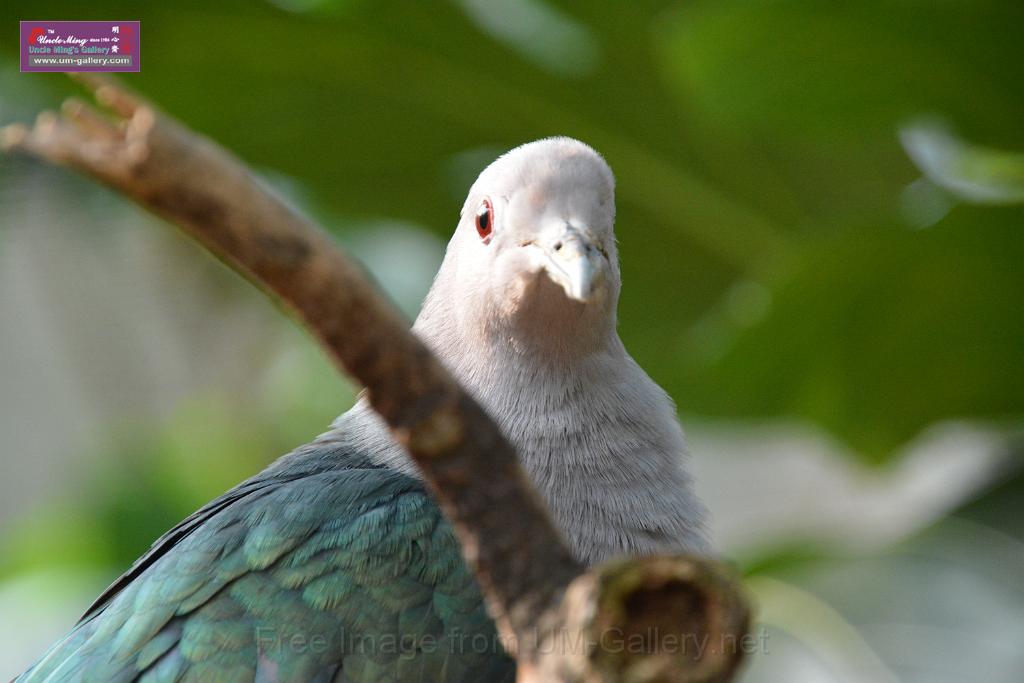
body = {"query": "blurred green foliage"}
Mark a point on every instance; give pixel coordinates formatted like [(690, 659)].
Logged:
[(820, 218), (782, 254), (148, 478)]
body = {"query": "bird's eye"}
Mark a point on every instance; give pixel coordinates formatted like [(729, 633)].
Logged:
[(485, 219)]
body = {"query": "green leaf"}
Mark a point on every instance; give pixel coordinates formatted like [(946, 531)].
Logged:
[(972, 173)]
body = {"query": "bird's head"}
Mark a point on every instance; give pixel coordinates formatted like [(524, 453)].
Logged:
[(533, 260)]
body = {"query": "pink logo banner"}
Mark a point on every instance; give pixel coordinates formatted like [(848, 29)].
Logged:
[(79, 46)]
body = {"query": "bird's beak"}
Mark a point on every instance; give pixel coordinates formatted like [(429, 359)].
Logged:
[(572, 260)]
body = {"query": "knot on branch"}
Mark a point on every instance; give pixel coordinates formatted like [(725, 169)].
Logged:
[(658, 619)]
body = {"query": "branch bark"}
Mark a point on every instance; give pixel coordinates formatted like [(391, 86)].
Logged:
[(536, 592)]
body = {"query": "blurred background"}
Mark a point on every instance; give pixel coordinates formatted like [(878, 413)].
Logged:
[(822, 236)]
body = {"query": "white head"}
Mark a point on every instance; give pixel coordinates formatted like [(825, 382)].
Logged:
[(533, 260)]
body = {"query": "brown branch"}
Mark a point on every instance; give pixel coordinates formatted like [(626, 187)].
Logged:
[(523, 566)]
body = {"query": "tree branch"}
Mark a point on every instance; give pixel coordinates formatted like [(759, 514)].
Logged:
[(523, 568)]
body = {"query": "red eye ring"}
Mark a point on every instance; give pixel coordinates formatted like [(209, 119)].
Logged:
[(485, 219)]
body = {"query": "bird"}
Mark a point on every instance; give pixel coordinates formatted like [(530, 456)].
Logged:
[(335, 563)]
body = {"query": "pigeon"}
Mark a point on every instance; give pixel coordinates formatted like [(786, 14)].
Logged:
[(335, 563)]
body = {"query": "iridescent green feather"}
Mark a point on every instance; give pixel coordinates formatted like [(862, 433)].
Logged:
[(322, 568)]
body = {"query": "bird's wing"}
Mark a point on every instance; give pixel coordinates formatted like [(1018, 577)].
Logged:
[(347, 574)]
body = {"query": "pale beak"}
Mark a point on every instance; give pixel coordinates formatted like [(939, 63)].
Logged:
[(573, 261)]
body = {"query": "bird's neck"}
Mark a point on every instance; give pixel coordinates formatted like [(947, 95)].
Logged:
[(598, 437), (601, 442)]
